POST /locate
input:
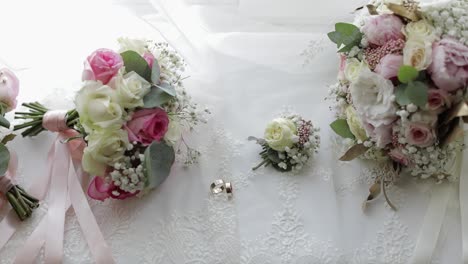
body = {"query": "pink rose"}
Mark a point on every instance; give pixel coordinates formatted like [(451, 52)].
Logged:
[(149, 57), (98, 189), (438, 100), (397, 155), (381, 29), (449, 68), (389, 65), (148, 125), (9, 89), (381, 135), (420, 134), (102, 65)]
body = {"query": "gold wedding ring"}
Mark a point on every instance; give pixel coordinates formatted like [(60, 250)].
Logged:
[(217, 186), (229, 189)]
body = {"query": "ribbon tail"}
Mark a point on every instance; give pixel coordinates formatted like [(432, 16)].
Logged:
[(58, 196), (432, 224), (97, 245), (463, 195)]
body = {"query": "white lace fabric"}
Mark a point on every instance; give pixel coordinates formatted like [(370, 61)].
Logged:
[(246, 70)]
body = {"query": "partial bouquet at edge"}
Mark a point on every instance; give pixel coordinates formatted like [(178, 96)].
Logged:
[(132, 111), (22, 203), (402, 85)]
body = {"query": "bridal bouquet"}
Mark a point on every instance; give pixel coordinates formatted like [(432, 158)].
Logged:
[(402, 87), (131, 111), (22, 203), (288, 144)]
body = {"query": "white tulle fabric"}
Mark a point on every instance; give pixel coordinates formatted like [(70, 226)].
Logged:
[(248, 62)]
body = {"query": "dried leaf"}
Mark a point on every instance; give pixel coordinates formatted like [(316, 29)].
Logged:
[(372, 10), (374, 192), (460, 110), (386, 197), (8, 138), (354, 152), (453, 134), (403, 11)]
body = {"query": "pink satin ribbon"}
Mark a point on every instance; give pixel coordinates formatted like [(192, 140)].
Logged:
[(64, 186)]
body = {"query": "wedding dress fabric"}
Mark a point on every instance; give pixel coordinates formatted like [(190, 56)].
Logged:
[(247, 63)]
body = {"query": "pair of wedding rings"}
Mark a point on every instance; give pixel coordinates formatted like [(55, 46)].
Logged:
[(219, 186)]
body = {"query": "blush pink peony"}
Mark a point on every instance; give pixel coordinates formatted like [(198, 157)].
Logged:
[(389, 65), (380, 29), (449, 68)]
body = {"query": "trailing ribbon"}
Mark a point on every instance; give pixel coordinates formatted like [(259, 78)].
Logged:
[(65, 191), (436, 211)]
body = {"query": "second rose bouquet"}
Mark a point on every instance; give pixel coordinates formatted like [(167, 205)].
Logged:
[(132, 112)]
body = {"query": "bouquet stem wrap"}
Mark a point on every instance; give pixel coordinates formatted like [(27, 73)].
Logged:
[(436, 211), (63, 183)]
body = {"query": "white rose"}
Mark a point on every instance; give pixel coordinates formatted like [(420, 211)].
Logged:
[(280, 133), (355, 124), (417, 53), (104, 149), (353, 68), (136, 45), (97, 107), (174, 131), (420, 30), (131, 89), (373, 97)]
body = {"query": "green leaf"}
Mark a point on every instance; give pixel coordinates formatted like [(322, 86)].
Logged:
[(134, 62), (4, 122), (166, 87), (335, 37), (350, 34), (346, 35), (4, 159), (159, 158), (155, 72), (341, 127), (400, 94), (8, 138), (407, 74), (273, 156), (417, 93), (156, 98)]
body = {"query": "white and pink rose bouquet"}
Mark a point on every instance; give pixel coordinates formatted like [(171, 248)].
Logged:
[(132, 112), (22, 203), (402, 88)]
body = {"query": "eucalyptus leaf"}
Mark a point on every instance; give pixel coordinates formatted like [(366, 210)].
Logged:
[(159, 158), (273, 156), (134, 62), (4, 122), (155, 72), (4, 159), (417, 93), (167, 87), (407, 74), (156, 98), (8, 138), (341, 127), (400, 95), (346, 35)]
